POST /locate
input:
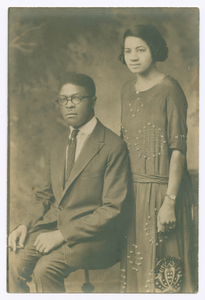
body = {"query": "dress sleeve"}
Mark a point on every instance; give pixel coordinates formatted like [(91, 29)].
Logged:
[(176, 118)]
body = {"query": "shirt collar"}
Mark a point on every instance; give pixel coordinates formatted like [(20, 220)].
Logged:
[(87, 128)]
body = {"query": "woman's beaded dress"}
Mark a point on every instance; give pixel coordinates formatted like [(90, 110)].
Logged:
[(154, 124)]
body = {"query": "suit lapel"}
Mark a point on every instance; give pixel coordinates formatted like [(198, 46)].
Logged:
[(92, 146)]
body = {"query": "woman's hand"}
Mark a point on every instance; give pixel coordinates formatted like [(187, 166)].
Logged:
[(166, 219)]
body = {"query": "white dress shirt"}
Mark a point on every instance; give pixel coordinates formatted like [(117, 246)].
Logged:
[(82, 135)]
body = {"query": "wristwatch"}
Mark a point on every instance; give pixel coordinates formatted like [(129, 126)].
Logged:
[(171, 197)]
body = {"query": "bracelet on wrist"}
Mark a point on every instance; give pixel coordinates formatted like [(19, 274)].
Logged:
[(171, 197)]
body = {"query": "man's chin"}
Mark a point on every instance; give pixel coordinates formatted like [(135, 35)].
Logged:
[(76, 123), (72, 123)]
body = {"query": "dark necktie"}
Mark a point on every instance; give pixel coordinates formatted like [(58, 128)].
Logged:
[(71, 153)]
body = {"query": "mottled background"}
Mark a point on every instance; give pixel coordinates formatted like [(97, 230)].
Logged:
[(45, 42)]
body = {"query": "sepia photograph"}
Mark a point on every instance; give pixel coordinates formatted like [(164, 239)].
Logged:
[(103, 150)]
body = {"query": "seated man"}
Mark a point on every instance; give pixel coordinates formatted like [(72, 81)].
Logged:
[(78, 217)]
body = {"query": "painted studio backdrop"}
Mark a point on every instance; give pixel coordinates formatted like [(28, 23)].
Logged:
[(46, 42)]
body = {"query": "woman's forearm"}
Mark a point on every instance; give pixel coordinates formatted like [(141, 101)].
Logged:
[(166, 218), (175, 172)]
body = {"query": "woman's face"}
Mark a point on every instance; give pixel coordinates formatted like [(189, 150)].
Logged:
[(137, 54)]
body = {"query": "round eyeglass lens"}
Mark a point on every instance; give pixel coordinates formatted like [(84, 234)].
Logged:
[(62, 100), (76, 99)]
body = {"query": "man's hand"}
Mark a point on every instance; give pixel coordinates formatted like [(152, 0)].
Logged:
[(166, 219), (46, 242), (17, 237)]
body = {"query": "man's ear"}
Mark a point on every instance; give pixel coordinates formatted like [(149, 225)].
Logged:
[(57, 107), (94, 101)]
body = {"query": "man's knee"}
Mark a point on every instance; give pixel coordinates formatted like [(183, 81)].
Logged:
[(20, 265), (14, 263), (48, 278), (17, 276), (39, 271), (43, 270)]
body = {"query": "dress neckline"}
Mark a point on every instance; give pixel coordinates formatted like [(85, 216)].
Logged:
[(137, 91)]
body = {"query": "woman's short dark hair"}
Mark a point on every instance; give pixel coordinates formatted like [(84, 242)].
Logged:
[(79, 80), (152, 37)]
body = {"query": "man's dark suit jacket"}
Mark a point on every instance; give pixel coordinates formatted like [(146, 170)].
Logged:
[(91, 209)]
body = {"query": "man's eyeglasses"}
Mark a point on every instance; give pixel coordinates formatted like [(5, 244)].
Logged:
[(75, 99)]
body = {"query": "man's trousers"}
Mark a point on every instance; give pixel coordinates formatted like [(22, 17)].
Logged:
[(49, 270)]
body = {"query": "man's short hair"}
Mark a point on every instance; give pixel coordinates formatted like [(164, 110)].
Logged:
[(79, 80)]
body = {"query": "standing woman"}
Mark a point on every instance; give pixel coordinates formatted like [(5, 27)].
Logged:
[(154, 109)]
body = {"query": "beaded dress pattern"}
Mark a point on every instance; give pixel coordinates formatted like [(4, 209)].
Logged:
[(153, 123)]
